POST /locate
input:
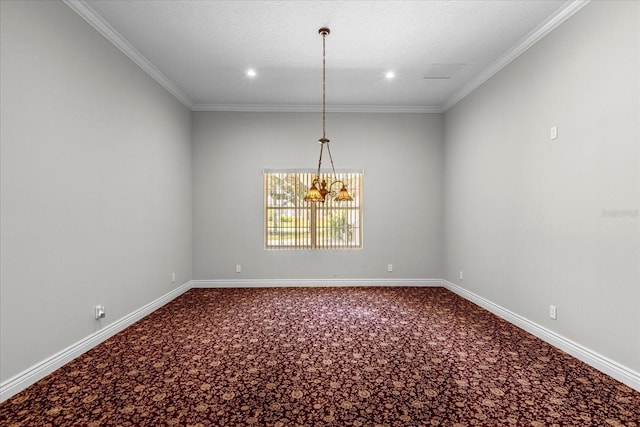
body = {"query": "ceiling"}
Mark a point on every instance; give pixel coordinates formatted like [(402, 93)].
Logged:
[(440, 51)]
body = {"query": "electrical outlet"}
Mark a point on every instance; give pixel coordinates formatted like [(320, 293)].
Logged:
[(100, 312), (238, 268), (553, 132), (390, 268), (553, 312), (173, 277), (461, 275)]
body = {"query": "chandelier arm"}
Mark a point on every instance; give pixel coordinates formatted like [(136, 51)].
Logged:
[(335, 177), (334, 192), (320, 160)]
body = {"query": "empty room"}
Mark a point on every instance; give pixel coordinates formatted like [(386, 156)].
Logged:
[(319, 213)]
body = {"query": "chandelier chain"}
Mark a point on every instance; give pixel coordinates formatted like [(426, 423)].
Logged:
[(324, 92), (316, 194)]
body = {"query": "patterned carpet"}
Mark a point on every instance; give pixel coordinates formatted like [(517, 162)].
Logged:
[(323, 357)]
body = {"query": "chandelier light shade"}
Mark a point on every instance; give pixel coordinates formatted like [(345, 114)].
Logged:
[(320, 189), (343, 195)]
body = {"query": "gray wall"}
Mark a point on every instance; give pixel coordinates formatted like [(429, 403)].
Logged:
[(401, 155), (97, 192), (534, 222), (95, 183)]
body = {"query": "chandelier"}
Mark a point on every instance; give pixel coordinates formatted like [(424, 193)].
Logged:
[(320, 189)]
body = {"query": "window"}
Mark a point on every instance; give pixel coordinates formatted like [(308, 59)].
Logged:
[(292, 223)]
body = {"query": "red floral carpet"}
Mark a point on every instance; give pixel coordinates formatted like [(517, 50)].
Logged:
[(323, 357)]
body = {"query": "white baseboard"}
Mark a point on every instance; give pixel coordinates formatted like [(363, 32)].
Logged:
[(40, 370), (613, 369), (273, 283), (24, 379)]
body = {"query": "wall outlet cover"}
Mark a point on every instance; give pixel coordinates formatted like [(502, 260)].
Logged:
[(100, 312)]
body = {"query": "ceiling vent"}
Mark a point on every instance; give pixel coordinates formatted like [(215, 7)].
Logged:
[(442, 71)]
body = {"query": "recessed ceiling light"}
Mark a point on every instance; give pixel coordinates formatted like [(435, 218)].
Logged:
[(390, 74), (251, 72)]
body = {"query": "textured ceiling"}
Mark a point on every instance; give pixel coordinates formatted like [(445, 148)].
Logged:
[(439, 50)]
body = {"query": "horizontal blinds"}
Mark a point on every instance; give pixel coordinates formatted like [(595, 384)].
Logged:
[(292, 223), (327, 172), (338, 223), (287, 221)]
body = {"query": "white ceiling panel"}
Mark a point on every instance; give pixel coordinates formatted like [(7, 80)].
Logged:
[(200, 50)]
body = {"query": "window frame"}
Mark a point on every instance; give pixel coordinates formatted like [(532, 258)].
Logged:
[(309, 220)]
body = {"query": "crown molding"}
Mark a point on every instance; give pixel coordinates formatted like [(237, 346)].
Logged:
[(569, 9), (277, 108), (107, 31)]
